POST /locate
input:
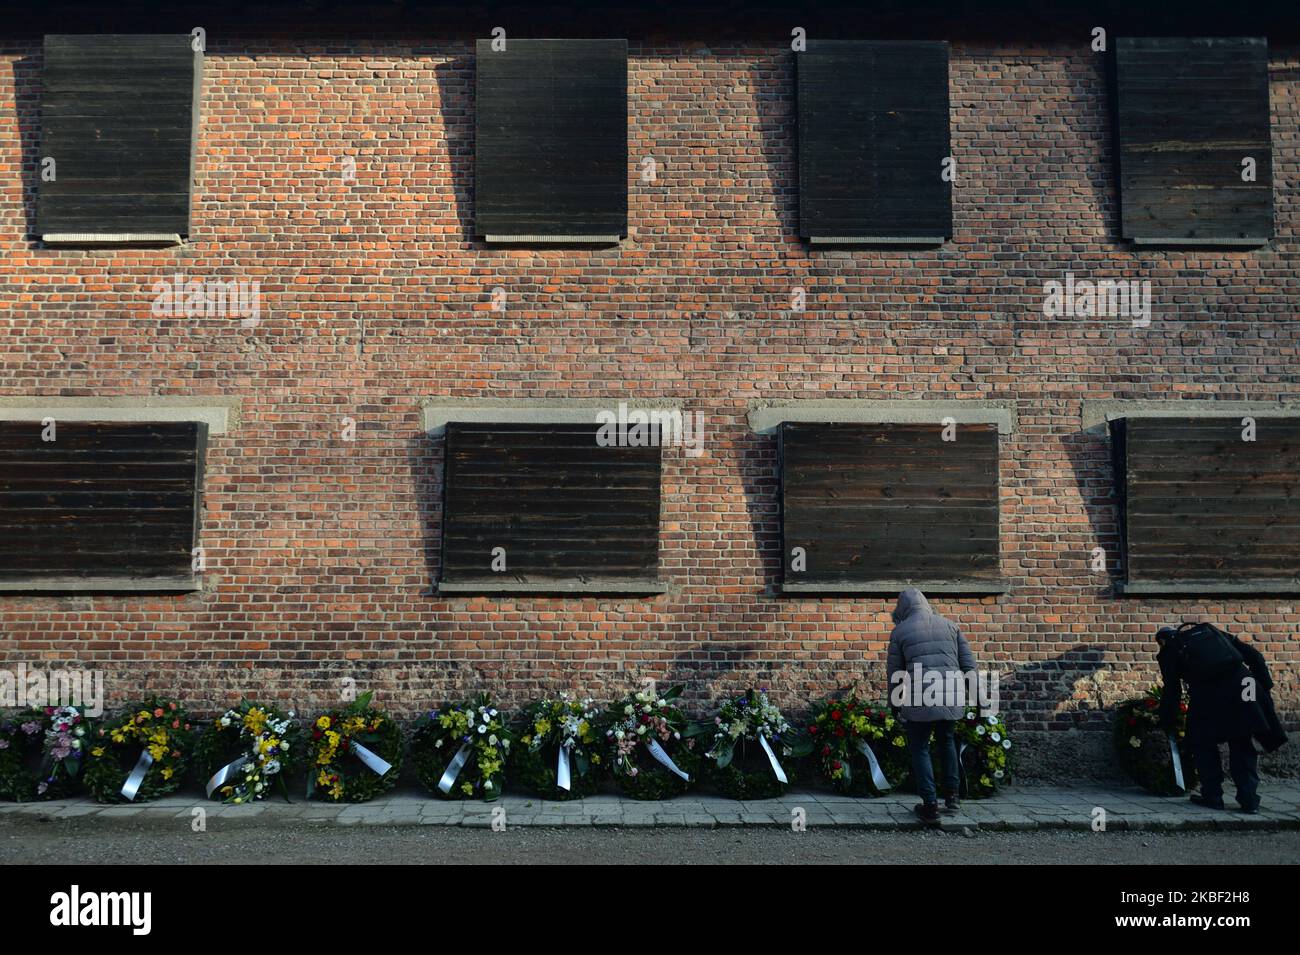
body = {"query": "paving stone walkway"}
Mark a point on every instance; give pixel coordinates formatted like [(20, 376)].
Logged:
[(1021, 808)]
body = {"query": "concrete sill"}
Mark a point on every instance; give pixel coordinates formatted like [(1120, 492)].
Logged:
[(92, 239), (645, 587), (876, 240), (100, 585), (1174, 242), (996, 585), (552, 239), (1140, 588)]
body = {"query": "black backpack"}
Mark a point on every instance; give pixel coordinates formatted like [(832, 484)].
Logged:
[(1206, 652)]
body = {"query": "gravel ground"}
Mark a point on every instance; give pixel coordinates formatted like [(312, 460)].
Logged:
[(24, 841)]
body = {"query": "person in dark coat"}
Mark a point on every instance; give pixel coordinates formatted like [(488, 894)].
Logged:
[(1221, 709), (924, 643)]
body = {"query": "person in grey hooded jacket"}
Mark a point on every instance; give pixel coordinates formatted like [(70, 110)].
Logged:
[(924, 647)]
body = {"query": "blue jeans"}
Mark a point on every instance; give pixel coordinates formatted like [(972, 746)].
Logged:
[(918, 745)]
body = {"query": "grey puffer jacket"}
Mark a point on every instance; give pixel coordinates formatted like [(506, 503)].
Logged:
[(922, 637)]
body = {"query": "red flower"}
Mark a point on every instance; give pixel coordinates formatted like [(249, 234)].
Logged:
[(835, 765), (835, 714), (813, 728), (1132, 721), (315, 734), (1182, 707), (826, 750), (839, 731)]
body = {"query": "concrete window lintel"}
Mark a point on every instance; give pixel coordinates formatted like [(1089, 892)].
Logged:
[(766, 416), (218, 413), (438, 412), (1096, 413)]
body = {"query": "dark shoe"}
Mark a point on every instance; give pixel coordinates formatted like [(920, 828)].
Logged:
[(1199, 800), (951, 804), (1249, 808), (927, 812)]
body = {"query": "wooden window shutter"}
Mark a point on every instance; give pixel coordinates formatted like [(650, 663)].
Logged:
[(1202, 510), (873, 135), (102, 506), (876, 507), (551, 141), (564, 512), (1188, 113), (119, 118)]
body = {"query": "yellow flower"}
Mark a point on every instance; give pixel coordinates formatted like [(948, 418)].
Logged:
[(167, 772), (118, 738), (254, 720), (323, 723), (97, 751)]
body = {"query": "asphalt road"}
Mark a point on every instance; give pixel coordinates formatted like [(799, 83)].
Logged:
[(28, 841)]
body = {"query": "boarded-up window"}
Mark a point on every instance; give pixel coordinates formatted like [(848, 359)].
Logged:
[(118, 120), (547, 507), (873, 136), (100, 506), (874, 507), (1195, 155), (1204, 509), (551, 141)]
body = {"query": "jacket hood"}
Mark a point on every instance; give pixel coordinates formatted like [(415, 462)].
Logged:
[(910, 601)]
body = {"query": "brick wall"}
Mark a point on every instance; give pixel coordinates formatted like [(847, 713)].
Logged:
[(322, 551)]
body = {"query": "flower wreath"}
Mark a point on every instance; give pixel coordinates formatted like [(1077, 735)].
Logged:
[(460, 751), (645, 745), (557, 743), (41, 753), (858, 746), (749, 737), (245, 750), (141, 755), (983, 754), (354, 753), (1142, 746)]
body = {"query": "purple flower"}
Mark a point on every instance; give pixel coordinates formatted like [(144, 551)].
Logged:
[(30, 727)]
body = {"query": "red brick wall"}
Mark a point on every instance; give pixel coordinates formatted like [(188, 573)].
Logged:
[(375, 297)]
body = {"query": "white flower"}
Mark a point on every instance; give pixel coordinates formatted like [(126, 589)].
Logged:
[(996, 737), (1006, 744), (492, 712), (1134, 742), (437, 743), (998, 774), (505, 744), (493, 739), (482, 730), (487, 784), (993, 721), (618, 734), (272, 767), (284, 746), (629, 710), (970, 715), (640, 731), (979, 731), (79, 731)]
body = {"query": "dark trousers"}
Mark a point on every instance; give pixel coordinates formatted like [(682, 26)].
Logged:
[(918, 745), (1242, 763)]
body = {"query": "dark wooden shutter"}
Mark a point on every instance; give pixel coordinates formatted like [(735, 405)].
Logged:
[(1204, 510), (101, 502), (119, 117), (873, 134), (1188, 112), (566, 510), (877, 505), (551, 141)]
